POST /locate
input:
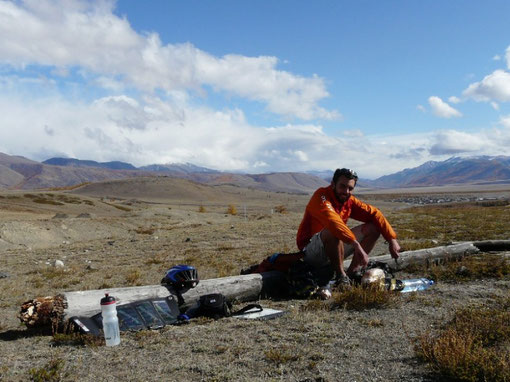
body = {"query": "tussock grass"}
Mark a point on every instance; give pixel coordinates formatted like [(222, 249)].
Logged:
[(52, 371), (282, 354), (473, 346), (77, 339), (281, 209), (231, 210), (362, 298), (356, 298)]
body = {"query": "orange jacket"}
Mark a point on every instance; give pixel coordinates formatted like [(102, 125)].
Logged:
[(325, 211)]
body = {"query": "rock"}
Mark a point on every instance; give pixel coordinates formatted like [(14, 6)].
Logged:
[(3, 275), (84, 215), (58, 264)]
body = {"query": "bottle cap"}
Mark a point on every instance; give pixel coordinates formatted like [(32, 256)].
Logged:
[(107, 299)]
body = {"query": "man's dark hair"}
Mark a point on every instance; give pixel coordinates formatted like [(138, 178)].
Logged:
[(349, 174)]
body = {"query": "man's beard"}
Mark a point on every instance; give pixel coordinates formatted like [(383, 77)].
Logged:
[(342, 198)]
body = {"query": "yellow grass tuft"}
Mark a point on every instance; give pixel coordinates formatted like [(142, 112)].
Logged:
[(474, 346)]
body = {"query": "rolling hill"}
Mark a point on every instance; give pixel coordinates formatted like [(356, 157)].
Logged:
[(17, 172)]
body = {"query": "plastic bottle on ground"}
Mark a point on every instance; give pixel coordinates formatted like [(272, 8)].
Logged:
[(414, 285), (110, 321)]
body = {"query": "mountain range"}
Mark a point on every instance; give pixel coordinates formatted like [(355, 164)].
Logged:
[(17, 172)]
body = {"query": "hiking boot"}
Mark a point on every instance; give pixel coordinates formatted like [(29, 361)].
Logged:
[(343, 282)]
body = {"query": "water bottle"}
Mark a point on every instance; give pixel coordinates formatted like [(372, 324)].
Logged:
[(414, 285), (110, 320)]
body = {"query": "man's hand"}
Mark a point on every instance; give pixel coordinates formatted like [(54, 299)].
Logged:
[(394, 248)]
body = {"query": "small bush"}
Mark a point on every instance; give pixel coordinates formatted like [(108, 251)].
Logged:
[(280, 209), (133, 277), (282, 355), (473, 346), (52, 371), (232, 210), (201, 209)]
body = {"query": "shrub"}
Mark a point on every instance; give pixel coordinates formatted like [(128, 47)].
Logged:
[(52, 371), (280, 209), (201, 209), (473, 346), (232, 210)]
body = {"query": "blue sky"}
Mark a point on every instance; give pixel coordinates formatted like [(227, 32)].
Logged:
[(263, 86)]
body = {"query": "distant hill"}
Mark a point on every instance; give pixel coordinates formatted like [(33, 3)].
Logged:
[(451, 171), (17, 172), (21, 173), (178, 168), (72, 162)]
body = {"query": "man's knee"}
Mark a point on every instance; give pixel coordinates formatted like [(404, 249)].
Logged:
[(370, 230), (329, 240)]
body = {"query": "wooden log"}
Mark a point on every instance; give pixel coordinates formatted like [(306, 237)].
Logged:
[(425, 256), (59, 309), (492, 245)]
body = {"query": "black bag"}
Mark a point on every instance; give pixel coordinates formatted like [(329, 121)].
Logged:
[(214, 305)]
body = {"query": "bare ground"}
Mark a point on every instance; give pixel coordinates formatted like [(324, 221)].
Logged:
[(132, 242)]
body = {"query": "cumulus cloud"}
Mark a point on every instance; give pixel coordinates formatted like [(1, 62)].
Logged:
[(442, 109), (494, 87), (455, 142), (90, 36)]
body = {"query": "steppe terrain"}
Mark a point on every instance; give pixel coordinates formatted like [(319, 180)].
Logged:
[(129, 232)]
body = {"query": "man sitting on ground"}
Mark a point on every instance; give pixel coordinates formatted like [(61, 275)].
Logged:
[(323, 233)]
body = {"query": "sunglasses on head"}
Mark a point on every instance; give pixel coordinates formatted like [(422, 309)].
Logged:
[(348, 173)]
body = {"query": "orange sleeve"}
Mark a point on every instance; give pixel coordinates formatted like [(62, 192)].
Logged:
[(322, 210), (367, 213)]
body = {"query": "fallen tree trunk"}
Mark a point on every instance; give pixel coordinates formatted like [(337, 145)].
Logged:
[(426, 256), (58, 309)]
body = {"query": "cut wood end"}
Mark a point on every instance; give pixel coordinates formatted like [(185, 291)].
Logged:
[(42, 311)]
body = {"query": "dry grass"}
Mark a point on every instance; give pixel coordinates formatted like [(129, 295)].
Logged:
[(362, 298), (349, 336), (473, 346), (51, 372), (429, 226), (473, 267), (231, 210)]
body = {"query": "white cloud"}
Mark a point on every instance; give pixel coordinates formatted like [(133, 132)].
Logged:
[(494, 87), (505, 121), (442, 109), (454, 99), (454, 142), (496, 57), (421, 108), (353, 133), (495, 105), (90, 36), (507, 54)]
